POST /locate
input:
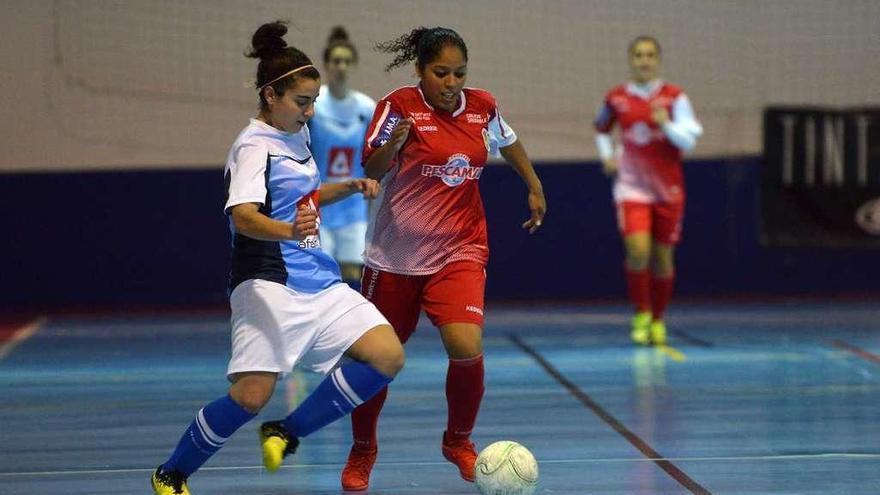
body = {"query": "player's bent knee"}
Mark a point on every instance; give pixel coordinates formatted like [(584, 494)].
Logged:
[(393, 360), (252, 392), (381, 349), (391, 356), (462, 340), (252, 403)]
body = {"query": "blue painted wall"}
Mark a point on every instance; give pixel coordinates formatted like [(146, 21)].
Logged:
[(134, 239)]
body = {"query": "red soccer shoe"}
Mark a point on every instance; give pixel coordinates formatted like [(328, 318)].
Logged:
[(356, 473), (462, 454)]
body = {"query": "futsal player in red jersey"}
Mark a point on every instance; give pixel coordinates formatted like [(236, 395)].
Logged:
[(657, 124), (426, 240)]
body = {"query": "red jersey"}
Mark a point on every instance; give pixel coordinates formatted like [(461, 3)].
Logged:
[(650, 168), (429, 211)]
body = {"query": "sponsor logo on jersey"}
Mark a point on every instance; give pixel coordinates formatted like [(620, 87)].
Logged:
[(476, 118), (384, 129), (417, 116), (427, 128), (641, 134), (302, 165), (311, 201), (339, 163), (456, 170)]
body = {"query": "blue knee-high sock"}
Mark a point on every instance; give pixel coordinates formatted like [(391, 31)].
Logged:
[(213, 425), (341, 391)]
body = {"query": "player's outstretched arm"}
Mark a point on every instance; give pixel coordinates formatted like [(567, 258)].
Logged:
[(332, 192), (515, 155), (250, 222)]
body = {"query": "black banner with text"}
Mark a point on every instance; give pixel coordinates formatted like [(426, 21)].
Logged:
[(821, 177)]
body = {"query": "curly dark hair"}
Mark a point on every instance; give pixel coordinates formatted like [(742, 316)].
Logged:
[(422, 45)]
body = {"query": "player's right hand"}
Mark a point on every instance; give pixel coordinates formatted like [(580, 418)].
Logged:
[(400, 133), (609, 166), (305, 224)]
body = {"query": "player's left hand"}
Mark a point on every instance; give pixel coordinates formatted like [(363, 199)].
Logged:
[(538, 207), (659, 113), (368, 187)]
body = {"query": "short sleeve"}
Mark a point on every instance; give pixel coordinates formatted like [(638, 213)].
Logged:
[(385, 118), (501, 134), (606, 117), (246, 176)]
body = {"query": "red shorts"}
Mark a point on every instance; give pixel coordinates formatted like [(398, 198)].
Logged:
[(662, 220), (452, 295)]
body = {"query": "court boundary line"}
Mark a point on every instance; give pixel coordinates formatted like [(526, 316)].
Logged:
[(691, 339), (609, 460), (23, 333), (672, 352), (858, 351), (666, 465)]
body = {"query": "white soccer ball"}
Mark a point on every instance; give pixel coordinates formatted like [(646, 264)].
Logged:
[(506, 468)]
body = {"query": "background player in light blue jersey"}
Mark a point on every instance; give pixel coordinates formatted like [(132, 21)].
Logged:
[(289, 305), (337, 131)]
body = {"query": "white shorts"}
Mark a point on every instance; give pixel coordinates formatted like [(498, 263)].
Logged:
[(275, 327), (345, 244)]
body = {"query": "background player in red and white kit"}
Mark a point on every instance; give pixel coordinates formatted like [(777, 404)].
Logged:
[(657, 124), (426, 241)]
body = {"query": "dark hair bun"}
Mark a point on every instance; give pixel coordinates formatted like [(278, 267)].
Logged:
[(338, 33), (268, 40)]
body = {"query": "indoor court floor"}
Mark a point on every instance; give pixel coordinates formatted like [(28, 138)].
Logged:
[(745, 399)]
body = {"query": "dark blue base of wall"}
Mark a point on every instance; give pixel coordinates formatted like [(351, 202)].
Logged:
[(134, 239), (578, 253)]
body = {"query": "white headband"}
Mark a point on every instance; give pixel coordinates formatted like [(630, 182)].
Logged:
[(282, 76)]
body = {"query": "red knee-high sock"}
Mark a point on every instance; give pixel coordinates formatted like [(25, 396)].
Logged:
[(639, 284), (464, 392), (364, 420), (661, 292)]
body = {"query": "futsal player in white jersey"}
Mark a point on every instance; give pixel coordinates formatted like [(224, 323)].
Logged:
[(289, 305), (337, 130)]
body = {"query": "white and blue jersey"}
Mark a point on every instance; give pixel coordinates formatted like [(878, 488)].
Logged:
[(337, 132), (275, 169)]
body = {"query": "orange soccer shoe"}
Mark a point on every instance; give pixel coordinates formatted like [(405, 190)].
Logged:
[(462, 454), (356, 473)]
